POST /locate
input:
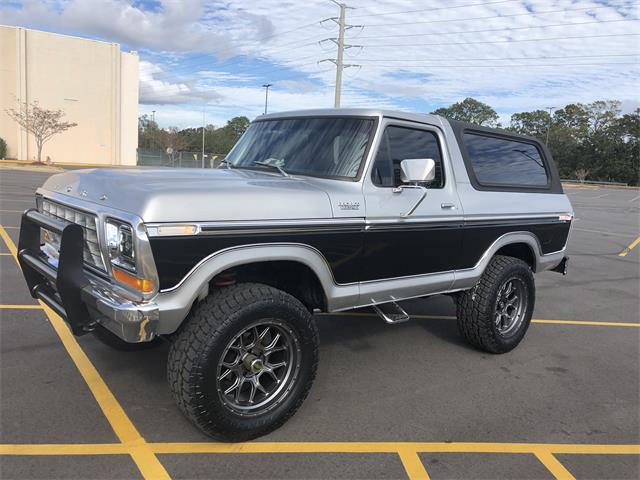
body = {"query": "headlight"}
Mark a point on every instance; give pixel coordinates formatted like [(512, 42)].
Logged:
[(122, 255), (120, 243)]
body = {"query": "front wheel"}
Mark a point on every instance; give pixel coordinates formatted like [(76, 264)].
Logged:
[(495, 315), (244, 362)]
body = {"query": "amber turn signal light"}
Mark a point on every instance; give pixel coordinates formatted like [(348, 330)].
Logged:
[(143, 285)]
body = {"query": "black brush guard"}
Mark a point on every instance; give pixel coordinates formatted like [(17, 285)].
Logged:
[(63, 289)]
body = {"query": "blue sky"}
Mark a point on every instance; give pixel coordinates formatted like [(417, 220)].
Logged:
[(415, 55)]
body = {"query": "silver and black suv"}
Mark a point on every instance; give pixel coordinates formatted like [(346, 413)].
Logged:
[(321, 210)]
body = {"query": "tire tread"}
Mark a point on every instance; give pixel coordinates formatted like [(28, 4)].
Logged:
[(207, 322)]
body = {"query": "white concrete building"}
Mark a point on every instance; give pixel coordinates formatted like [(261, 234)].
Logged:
[(94, 82)]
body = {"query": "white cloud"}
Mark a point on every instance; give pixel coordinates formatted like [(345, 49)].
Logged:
[(159, 91), (418, 60)]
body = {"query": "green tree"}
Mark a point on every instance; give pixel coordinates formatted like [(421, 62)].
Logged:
[(148, 133), (226, 137), (470, 110), (534, 123)]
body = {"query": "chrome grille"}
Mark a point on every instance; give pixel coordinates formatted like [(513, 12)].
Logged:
[(91, 252)]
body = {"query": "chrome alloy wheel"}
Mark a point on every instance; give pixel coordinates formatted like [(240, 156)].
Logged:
[(511, 306), (258, 368)]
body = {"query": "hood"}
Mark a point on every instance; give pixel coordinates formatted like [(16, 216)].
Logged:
[(183, 195)]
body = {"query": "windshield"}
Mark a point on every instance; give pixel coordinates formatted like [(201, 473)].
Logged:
[(324, 147)]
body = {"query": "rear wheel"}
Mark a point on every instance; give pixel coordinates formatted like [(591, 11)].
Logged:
[(244, 362), (495, 315)]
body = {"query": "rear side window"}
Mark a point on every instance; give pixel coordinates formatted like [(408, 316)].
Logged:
[(505, 162), (401, 143)]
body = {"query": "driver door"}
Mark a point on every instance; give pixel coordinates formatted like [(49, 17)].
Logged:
[(429, 240)]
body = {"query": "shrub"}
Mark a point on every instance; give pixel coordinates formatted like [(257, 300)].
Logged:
[(3, 149)]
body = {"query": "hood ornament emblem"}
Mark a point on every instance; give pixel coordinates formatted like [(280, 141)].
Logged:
[(103, 197), (69, 188), (83, 193)]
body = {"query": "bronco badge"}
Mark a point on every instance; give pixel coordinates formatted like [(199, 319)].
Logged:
[(349, 205)]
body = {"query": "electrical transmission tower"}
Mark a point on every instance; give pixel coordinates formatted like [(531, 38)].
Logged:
[(339, 60)]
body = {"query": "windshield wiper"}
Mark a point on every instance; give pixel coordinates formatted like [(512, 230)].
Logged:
[(270, 165)]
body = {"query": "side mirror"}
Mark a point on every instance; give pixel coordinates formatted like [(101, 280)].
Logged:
[(415, 170)]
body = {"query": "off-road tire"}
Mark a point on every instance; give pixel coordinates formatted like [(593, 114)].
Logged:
[(112, 340), (196, 349), (476, 308)]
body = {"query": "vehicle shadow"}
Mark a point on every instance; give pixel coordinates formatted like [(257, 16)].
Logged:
[(354, 330)]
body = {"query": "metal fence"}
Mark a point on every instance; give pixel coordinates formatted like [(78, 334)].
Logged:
[(160, 158)]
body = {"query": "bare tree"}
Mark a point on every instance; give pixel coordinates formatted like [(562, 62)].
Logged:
[(581, 174), (43, 124)]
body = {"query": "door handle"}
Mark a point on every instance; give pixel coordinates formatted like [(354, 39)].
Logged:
[(448, 206)]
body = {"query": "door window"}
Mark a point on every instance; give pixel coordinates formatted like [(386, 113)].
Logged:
[(401, 143)]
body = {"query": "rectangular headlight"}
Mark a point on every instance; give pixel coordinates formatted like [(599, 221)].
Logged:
[(120, 243)]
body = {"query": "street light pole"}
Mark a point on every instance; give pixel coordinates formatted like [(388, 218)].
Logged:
[(549, 124), (266, 95), (203, 125)]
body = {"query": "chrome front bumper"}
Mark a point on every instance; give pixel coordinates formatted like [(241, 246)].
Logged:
[(82, 298)]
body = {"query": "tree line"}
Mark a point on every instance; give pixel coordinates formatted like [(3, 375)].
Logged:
[(216, 140), (591, 141)]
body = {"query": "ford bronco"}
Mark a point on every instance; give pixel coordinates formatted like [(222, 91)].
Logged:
[(312, 211)]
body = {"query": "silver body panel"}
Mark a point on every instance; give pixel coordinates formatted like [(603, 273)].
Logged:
[(240, 200)]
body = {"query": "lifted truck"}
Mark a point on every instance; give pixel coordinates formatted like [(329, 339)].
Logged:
[(322, 210)]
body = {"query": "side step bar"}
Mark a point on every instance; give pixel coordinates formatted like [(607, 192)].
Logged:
[(391, 312)]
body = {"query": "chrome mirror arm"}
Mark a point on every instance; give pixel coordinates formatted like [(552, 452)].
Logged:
[(418, 202)]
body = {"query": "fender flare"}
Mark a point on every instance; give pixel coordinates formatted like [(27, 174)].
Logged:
[(176, 301)]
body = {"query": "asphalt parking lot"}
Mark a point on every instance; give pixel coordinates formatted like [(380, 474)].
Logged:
[(409, 400)]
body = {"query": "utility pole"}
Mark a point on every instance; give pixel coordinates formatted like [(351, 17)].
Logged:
[(203, 125), (266, 95), (340, 57), (549, 124), (339, 60)]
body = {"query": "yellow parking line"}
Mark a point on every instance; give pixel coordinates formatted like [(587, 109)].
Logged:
[(408, 451), (125, 430), (4, 254), (584, 322), (21, 307), (63, 449), (553, 465), (413, 465), (633, 244), (174, 448), (535, 320), (10, 245), (391, 447)]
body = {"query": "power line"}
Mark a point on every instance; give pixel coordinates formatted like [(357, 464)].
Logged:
[(491, 59), (501, 29), (488, 17), (508, 65), (505, 41), (433, 9), (166, 75), (203, 59)]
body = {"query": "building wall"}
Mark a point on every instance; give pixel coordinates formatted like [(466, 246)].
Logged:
[(93, 82)]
